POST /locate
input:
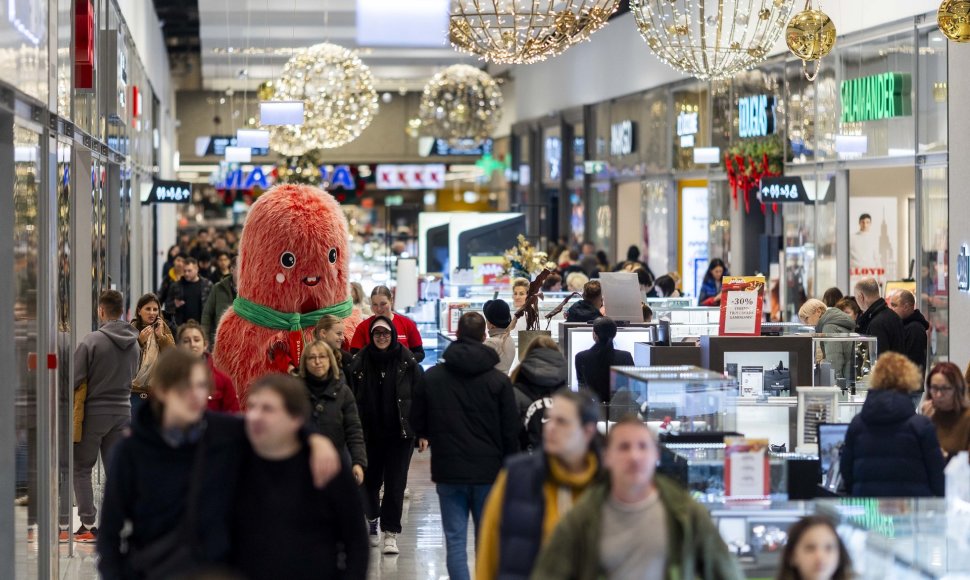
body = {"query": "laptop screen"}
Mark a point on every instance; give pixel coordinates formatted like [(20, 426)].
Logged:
[(831, 438)]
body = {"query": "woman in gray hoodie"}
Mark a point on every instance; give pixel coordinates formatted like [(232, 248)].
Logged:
[(831, 321)]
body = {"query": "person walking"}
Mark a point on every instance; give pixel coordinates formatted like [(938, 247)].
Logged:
[(541, 373), (105, 364), (282, 526), (330, 329), (223, 398), (587, 309), (222, 267), (465, 411), (154, 337), (915, 327), (948, 408), (173, 480), (220, 299), (831, 320), (384, 377), (878, 320), (534, 491), (382, 304), (593, 365), (187, 297), (636, 524), (889, 450), (333, 409), (498, 318), (815, 551)]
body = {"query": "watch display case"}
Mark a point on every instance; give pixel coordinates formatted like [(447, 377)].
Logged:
[(673, 400), (843, 360)]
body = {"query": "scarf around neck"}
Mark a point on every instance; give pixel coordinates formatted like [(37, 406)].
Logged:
[(291, 321)]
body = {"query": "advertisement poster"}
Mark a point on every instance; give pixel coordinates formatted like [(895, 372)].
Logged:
[(694, 238), (873, 244), (742, 304), (746, 468), (489, 270)]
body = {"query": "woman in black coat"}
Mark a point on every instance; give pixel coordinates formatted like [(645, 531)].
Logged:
[(593, 365), (890, 451), (541, 373), (383, 376), (334, 409)]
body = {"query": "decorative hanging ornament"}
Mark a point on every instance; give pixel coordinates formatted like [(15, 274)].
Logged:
[(811, 36), (524, 31), (711, 39), (954, 20), (461, 102), (337, 90)]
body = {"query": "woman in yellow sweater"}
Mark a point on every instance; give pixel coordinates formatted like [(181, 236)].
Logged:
[(534, 492)]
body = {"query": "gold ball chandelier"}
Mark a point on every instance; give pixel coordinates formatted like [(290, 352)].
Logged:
[(461, 102), (954, 20), (711, 39), (524, 31), (338, 94), (811, 36)]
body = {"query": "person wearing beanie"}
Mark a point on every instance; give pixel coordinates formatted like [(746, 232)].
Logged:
[(383, 377), (593, 365), (498, 318)]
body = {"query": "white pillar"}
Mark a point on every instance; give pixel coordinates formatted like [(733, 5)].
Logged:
[(959, 177)]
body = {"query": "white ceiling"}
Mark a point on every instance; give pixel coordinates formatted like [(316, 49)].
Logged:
[(272, 29)]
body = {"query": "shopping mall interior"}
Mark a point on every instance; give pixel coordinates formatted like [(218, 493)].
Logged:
[(577, 289)]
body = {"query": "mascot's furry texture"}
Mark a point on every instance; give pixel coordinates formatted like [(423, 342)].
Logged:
[(292, 270)]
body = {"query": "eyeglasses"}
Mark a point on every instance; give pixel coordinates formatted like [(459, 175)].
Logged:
[(382, 333), (941, 390), (316, 357)]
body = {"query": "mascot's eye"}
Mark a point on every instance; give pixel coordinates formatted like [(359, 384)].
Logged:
[(288, 260), (333, 255)]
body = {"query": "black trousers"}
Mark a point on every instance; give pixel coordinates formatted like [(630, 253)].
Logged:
[(388, 462)]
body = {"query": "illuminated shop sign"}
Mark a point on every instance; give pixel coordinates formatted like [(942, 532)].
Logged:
[(462, 147), (756, 116), (783, 190), (884, 96), (687, 127), (170, 192), (622, 141)]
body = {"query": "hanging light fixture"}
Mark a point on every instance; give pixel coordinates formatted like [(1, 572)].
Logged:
[(337, 91), (954, 20), (461, 102), (711, 39), (524, 31), (811, 36)]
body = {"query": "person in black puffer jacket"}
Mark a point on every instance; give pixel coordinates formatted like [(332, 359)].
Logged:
[(878, 320), (466, 411), (383, 377), (334, 409), (541, 373), (890, 451)]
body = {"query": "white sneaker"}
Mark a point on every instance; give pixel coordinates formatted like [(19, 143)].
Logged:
[(407, 493), (373, 533), (390, 544)]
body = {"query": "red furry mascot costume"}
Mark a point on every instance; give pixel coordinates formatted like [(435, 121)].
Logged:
[(292, 271)]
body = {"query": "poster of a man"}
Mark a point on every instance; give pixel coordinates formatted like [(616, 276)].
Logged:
[(872, 249)]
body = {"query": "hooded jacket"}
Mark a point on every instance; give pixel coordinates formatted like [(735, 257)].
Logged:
[(500, 340), (840, 354), (219, 300), (107, 360), (542, 373), (915, 326), (695, 550), (582, 311), (885, 325), (890, 451), (466, 410)]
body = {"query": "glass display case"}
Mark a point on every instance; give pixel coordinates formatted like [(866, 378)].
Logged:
[(673, 400), (451, 309), (843, 360)]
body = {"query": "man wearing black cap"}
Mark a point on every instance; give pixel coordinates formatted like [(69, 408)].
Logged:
[(498, 318)]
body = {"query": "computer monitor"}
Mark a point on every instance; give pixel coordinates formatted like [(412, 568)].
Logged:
[(831, 439)]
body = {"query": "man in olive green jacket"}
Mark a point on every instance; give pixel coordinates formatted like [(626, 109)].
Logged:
[(636, 525), (220, 299)]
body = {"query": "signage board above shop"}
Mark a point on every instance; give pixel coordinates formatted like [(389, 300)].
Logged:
[(462, 147), (783, 190), (411, 176), (877, 97), (169, 192), (756, 116), (216, 145), (623, 138)]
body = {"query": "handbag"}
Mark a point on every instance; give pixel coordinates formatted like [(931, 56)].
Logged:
[(80, 395), (175, 553), (149, 356)]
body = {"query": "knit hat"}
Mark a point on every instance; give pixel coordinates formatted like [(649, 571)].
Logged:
[(497, 313)]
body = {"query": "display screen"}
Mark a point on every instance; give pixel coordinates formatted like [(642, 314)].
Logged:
[(831, 439)]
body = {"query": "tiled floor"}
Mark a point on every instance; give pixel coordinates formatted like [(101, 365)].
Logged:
[(422, 544)]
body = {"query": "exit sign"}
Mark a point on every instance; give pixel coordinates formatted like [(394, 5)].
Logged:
[(877, 97)]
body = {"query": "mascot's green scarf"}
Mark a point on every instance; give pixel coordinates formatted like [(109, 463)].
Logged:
[(291, 321)]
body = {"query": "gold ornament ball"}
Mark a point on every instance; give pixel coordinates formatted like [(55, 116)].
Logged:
[(954, 20), (811, 35)]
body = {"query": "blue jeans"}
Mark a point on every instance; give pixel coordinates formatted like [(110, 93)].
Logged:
[(456, 502)]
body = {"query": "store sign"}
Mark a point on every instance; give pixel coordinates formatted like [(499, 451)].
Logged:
[(169, 192), (216, 145), (756, 116), (742, 303), (622, 138), (783, 190), (84, 45), (411, 176), (876, 97), (963, 269), (688, 125), (462, 147)]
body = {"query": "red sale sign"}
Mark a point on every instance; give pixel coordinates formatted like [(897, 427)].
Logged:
[(742, 305)]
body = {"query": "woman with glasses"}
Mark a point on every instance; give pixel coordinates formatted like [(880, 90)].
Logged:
[(948, 408), (383, 377)]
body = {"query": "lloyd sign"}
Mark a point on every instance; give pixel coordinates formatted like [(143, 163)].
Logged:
[(622, 140), (756, 116), (411, 176)]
